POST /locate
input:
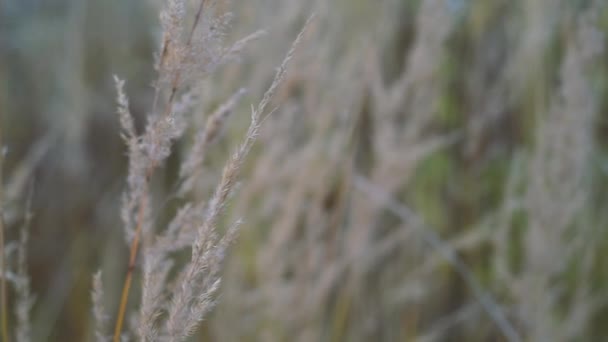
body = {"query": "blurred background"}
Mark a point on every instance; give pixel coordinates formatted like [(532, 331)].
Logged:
[(437, 170)]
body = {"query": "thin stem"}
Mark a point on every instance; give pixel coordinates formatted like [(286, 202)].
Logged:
[(197, 18), (132, 259), (178, 74)]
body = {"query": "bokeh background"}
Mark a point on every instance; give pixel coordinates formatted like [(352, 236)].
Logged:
[(426, 157)]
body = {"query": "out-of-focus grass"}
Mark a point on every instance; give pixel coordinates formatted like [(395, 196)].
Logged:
[(489, 90)]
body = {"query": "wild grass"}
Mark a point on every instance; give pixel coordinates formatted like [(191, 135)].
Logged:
[(421, 170), (181, 60)]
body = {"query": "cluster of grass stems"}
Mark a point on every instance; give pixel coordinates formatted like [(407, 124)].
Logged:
[(426, 175)]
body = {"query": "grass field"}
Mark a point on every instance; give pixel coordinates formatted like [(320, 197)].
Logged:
[(286, 170)]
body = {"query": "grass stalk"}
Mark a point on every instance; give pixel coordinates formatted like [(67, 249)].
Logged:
[(124, 298)]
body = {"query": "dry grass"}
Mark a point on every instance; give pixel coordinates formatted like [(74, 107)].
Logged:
[(412, 170)]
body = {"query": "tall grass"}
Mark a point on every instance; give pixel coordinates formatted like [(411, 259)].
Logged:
[(423, 170), (186, 54)]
